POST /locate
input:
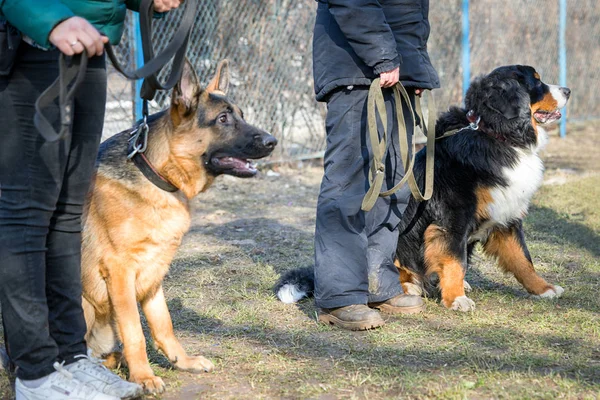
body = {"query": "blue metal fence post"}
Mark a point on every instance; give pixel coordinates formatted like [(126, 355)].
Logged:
[(562, 60), (466, 48), (138, 55)]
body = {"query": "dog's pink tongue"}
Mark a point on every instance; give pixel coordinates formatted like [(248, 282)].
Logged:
[(232, 162), (545, 117), (237, 164), (556, 115)]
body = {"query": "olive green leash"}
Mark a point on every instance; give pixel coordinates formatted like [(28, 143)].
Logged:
[(376, 104)]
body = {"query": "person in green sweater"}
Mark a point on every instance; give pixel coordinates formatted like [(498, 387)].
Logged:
[(43, 186)]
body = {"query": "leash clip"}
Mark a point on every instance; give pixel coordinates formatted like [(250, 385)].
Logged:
[(475, 125), (473, 120), (134, 139)]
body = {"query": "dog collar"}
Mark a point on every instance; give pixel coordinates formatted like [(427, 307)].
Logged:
[(476, 124), (135, 152), (140, 161)]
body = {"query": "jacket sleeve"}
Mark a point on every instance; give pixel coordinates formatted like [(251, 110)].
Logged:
[(35, 18), (363, 24)]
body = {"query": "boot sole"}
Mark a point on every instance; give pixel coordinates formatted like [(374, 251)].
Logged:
[(388, 309), (351, 326)]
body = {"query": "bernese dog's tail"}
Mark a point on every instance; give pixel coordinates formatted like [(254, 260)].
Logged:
[(296, 284)]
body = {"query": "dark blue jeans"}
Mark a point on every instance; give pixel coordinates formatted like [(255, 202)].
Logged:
[(354, 250), (43, 187)]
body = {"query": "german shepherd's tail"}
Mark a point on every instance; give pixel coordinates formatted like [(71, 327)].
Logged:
[(296, 284)]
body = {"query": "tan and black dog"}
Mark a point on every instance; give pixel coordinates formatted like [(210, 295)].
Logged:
[(133, 228)]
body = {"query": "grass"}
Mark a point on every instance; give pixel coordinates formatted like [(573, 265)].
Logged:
[(246, 232)]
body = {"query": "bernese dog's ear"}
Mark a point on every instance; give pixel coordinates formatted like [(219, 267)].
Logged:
[(505, 101), (497, 99)]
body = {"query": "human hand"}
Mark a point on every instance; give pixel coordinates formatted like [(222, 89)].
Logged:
[(389, 78), (75, 34), (419, 92), (166, 5)]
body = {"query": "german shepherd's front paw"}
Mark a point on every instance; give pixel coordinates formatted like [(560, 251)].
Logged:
[(552, 293), (196, 365), (114, 360), (460, 303), (151, 384)]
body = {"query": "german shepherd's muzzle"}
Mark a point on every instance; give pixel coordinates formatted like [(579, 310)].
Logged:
[(132, 227), (240, 142)]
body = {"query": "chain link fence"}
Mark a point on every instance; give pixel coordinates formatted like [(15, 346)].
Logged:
[(268, 43)]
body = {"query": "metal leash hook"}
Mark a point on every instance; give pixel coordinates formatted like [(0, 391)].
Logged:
[(475, 125), (473, 122), (140, 131)]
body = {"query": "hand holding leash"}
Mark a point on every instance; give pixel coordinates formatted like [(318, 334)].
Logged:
[(376, 105), (74, 35), (389, 78)]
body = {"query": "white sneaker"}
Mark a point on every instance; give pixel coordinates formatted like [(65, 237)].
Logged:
[(59, 385), (90, 371)]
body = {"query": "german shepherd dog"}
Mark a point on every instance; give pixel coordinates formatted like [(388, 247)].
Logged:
[(485, 177), (133, 228)]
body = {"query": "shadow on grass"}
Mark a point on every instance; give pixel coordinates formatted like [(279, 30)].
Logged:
[(286, 247), (448, 347), (283, 246), (551, 227), (488, 349), (481, 349)]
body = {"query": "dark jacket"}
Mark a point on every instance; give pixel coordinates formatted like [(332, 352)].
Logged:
[(36, 18), (355, 40)]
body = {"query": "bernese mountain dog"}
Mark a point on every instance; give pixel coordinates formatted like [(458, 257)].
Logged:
[(485, 177)]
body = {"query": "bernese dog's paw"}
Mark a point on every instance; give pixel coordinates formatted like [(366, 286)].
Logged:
[(413, 289), (467, 287), (463, 303), (553, 293)]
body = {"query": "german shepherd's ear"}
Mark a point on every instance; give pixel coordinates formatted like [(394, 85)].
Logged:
[(220, 82), (186, 91)]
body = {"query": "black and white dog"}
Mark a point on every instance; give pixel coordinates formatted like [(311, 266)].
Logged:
[(485, 178)]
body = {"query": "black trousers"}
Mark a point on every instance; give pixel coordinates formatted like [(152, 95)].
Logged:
[(354, 250), (43, 187)]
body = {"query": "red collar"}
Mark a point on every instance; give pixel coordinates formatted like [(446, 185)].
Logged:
[(476, 124)]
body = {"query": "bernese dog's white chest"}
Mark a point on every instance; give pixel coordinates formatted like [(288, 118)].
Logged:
[(523, 180)]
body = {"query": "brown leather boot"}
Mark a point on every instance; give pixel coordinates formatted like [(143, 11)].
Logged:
[(400, 304), (356, 317)]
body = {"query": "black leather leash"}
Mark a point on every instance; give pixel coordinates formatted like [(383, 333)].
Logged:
[(175, 50), (72, 71), (64, 87)]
